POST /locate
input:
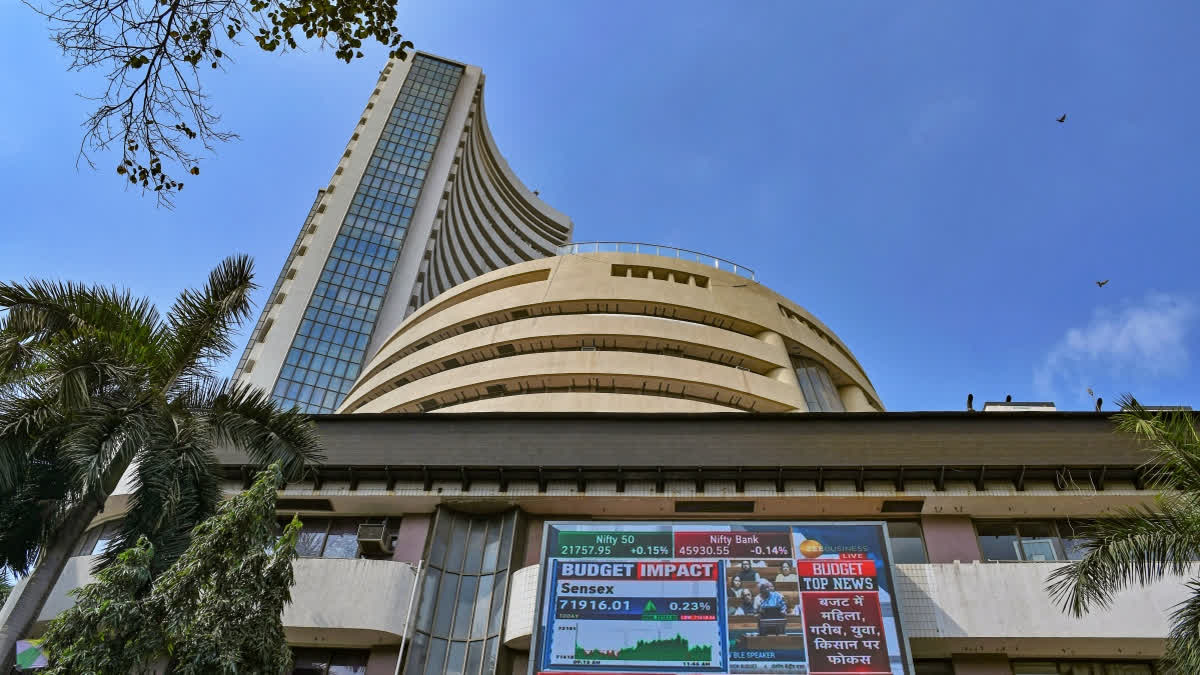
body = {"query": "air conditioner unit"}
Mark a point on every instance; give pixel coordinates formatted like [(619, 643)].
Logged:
[(373, 539)]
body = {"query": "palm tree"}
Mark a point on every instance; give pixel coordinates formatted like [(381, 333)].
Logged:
[(94, 382), (1143, 545)]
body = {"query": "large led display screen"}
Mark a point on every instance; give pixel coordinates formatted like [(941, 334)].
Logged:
[(689, 597)]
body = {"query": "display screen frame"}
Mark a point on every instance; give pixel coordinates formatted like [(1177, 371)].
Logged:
[(548, 571)]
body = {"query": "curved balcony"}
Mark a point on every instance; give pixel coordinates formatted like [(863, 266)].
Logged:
[(656, 249)]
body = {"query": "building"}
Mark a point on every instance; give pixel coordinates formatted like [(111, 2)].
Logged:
[(979, 505), (613, 328), (492, 397), (420, 201)]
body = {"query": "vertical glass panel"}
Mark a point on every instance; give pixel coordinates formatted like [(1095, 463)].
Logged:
[(479, 530), (441, 535), (456, 658), (499, 591), (506, 540), (312, 537), (435, 662), (997, 540), (483, 601), (415, 665), (89, 542), (445, 604), (466, 602), (342, 541), (458, 544), (491, 655), (491, 548), (107, 532), (907, 546), (427, 604), (474, 658)]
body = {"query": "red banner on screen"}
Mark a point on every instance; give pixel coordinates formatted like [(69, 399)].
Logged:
[(843, 631), (835, 567), (734, 544), (677, 569)]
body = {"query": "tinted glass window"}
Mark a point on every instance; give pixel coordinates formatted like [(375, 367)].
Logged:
[(997, 540), (907, 544)]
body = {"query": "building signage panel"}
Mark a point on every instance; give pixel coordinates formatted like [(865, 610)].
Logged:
[(656, 598)]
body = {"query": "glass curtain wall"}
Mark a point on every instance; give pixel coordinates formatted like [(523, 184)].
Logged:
[(460, 611), (328, 348)]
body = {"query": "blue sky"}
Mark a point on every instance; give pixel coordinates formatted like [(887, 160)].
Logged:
[(893, 167)]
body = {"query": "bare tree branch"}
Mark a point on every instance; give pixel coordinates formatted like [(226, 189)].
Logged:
[(153, 106)]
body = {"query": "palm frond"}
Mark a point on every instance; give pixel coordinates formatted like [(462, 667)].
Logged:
[(40, 311), (247, 419), (175, 487), (100, 443), (1183, 643), (1173, 439), (1138, 547), (200, 325)]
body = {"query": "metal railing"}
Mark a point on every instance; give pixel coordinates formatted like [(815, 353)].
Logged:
[(655, 249)]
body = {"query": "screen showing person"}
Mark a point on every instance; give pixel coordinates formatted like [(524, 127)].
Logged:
[(741, 602), (787, 573), (769, 602), (747, 573)]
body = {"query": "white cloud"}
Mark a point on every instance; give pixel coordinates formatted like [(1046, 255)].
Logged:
[(1131, 344)]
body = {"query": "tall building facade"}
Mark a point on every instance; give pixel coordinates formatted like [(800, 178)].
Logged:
[(421, 200)]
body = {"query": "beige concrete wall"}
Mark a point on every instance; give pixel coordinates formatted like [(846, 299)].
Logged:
[(341, 602), (349, 602), (716, 318), (1004, 607)]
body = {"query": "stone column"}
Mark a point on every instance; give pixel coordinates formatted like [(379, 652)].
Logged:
[(854, 399), (950, 538), (787, 373)]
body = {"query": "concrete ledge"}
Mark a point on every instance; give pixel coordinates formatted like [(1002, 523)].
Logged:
[(1005, 607), (349, 602), (335, 602)]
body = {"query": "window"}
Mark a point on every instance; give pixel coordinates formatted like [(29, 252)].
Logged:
[(329, 662), (1029, 540), (819, 392), (907, 543), (461, 603), (336, 537), (96, 540), (1082, 668)]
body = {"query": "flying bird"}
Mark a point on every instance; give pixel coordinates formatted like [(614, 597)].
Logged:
[(1101, 283), (1062, 119), (1090, 392)]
